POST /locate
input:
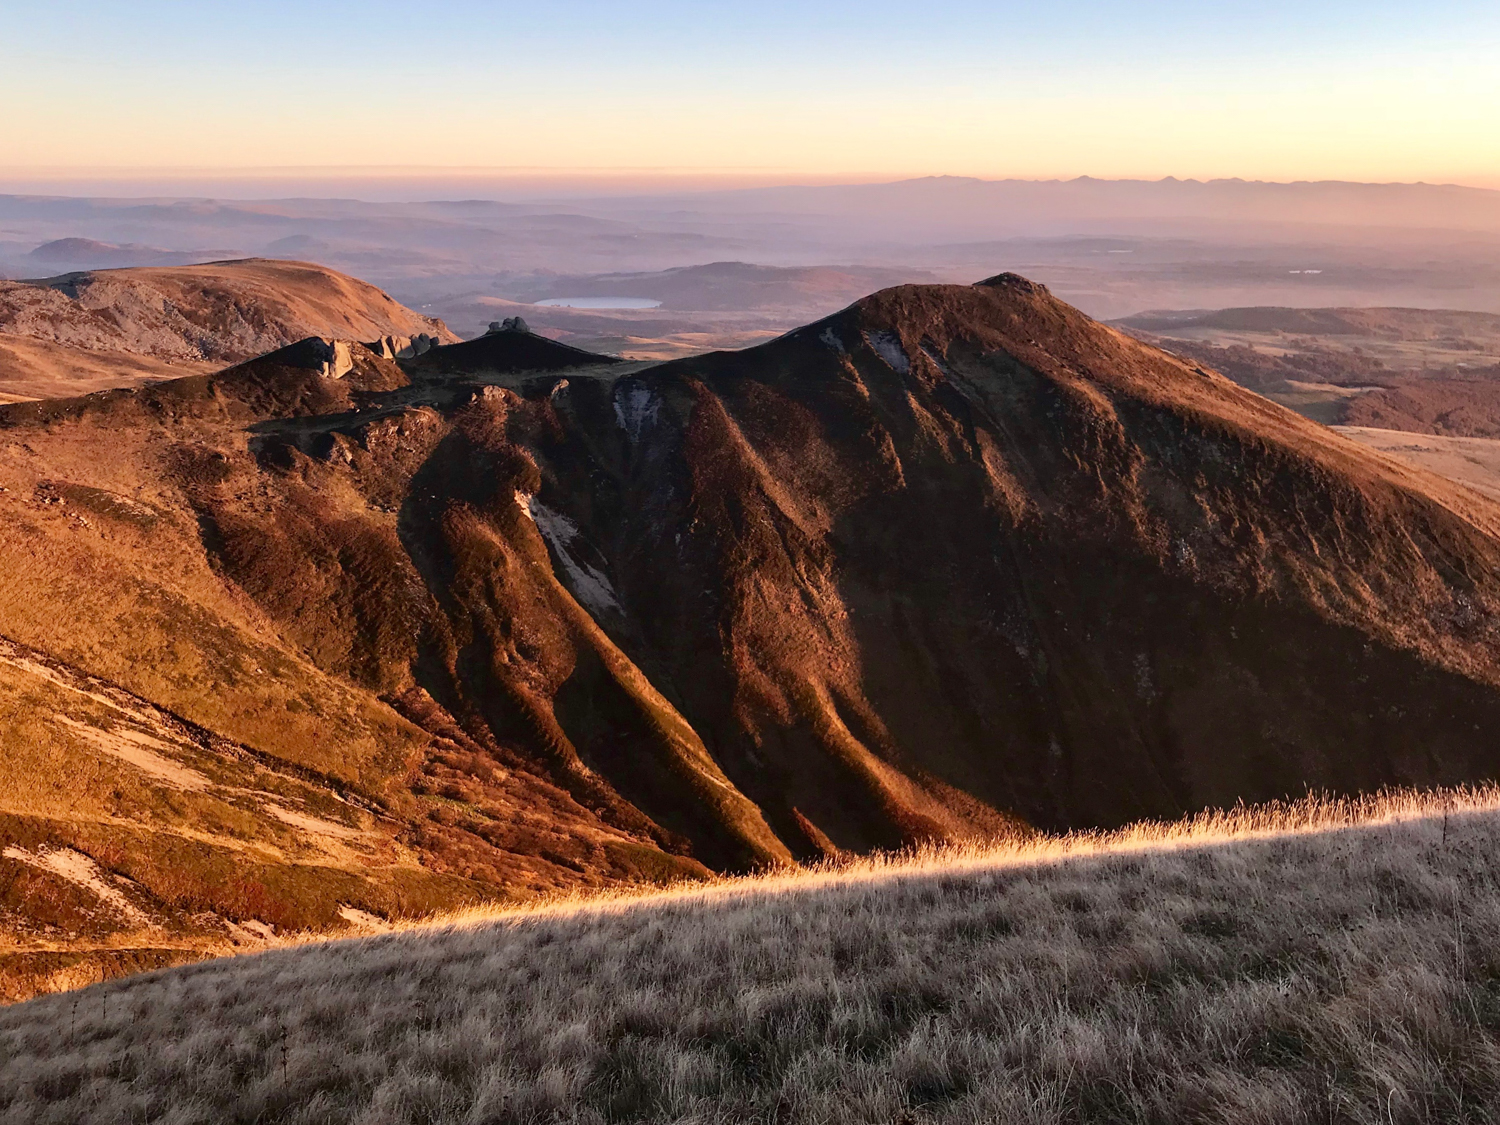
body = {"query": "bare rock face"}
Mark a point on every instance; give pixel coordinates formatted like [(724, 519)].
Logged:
[(955, 561), (509, 324), (335, 359), (404, 347)]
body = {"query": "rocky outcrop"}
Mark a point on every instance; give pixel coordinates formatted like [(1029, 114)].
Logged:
[(404, 347)]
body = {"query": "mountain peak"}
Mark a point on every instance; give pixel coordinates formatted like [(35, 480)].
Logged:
[(1015, 283)]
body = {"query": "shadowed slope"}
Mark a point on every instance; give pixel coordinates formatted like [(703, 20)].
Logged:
[(953, 562), (506, 353)]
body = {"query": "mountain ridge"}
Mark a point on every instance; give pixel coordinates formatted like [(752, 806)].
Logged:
[(955, 562), (63, 331)]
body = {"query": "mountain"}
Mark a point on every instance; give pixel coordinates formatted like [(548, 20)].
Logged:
[(965, 207), (68, 334), (328, 635), (1111, 248), (90, 253)]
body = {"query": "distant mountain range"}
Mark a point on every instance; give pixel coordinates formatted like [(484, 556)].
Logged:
[(1112, 248)]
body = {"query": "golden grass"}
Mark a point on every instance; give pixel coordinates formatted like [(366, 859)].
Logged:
[(1314, 813), (1310, 961)]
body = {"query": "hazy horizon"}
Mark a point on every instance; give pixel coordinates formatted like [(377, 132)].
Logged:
[(532, 185)]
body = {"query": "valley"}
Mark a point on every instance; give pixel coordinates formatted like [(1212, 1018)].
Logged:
[(1432, 371)]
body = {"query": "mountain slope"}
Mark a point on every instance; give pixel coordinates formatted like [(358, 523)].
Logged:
[(63, 335), (956, 561), (964, 538), (1175, 977)]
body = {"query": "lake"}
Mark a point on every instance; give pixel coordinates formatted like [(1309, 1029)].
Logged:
[(600, 303)]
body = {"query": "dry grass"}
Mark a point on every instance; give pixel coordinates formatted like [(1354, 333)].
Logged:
[(1322, 961)]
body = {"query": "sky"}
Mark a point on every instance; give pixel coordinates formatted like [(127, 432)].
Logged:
[(766, 90)]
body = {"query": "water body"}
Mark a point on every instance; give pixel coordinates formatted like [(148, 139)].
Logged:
[(600, 303)]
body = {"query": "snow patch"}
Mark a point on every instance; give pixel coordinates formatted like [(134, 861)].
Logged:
[(311, 824), (139, 750), (635, 408), (589, 584), (937, 360), (831, 338), (79, 869), (888, 347)]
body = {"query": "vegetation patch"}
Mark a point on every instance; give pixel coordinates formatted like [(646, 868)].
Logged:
[(1316, 962)]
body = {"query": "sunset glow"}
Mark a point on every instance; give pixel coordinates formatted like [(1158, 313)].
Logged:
[(779, 91)]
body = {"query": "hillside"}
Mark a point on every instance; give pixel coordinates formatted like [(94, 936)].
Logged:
[(1471, 461), (81, 332), (953, 563), (1372, 323), (1431, 371), (90, 253), (1345, 975)]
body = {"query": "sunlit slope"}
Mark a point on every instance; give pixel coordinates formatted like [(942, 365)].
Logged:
[(90, 330), (1347, 972), (132, 838), (179, 774)]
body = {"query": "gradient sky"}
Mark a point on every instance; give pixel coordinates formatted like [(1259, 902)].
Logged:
[(1368, 90)]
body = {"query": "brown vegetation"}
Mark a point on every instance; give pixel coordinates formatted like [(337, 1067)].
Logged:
[(1347, 974), (88, 331), (955, 563), (1474, 462), (1468, 407), (1431, 371)]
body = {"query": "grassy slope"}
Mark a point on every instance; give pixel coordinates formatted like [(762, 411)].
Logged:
[(112, 583), (129, 839), (120, 328), (1346, 974), (43, 369)]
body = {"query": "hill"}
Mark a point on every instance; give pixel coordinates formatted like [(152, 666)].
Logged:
[(90, 253), (1431, 371), (1346, 974), (81, 332), (1373, 323), (955, 562)]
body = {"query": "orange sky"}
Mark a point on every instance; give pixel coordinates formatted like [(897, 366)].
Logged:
[(1323, 89)]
